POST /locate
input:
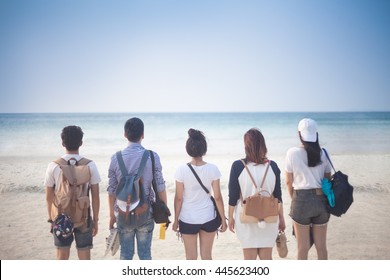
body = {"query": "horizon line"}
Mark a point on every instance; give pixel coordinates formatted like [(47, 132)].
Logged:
[(201, 112)]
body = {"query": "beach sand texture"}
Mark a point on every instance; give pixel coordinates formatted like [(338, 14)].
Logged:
[(361, 234)]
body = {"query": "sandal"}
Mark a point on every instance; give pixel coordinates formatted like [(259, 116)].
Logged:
[(112, 242), (281, 244)]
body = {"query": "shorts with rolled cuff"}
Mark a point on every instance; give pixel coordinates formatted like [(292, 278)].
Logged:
[(83, 238), (309, 207)]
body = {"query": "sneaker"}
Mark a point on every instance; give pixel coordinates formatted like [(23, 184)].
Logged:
[(281, 244), (112, 242)]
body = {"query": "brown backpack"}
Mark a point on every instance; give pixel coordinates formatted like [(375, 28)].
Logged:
[(72, 192)]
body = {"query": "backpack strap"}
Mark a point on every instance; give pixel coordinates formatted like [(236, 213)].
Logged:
[(253, 181), (61, 161), (82, 161), (199, 180), (326, 153), (154, 184), (145, 157), (122, 165)]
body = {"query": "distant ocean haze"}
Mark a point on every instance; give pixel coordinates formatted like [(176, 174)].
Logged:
[(340, 133)]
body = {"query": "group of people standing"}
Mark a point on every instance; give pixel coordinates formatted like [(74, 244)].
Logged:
[(195, 218)]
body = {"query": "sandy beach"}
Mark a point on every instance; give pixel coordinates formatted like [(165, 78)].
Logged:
[(361, 234)]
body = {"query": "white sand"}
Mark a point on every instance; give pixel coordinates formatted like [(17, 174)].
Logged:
[(362, 234)]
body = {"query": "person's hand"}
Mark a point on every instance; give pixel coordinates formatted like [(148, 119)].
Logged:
[(175, 226), (231, 225), (223, 227), (282, 224), (112, 222), (95, 229), (51, 225)]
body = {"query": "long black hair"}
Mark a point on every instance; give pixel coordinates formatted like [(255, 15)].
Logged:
[(313, 151)]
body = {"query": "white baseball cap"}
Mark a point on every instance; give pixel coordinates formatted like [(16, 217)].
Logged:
[(308, 130)]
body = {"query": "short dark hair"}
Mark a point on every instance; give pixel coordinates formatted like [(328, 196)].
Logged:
[(72, 137), (255, 147), (196, 145), (134, 129)]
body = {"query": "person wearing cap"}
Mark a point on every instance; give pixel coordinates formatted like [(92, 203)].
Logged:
[(134, 226), (305, 168)]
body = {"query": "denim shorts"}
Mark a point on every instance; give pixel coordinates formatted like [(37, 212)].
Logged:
[(309, 207), (209, 226), (83, 238)]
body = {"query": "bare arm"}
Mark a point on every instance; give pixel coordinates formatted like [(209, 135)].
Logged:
[(219, 201), (49, 200), (95, 207), (163, 196), (111, 202), (49, 203), (178, 204), (282, 222), (231, 218), (289, 183)]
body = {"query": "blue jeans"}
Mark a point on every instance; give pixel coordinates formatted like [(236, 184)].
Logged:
[(138, 227)]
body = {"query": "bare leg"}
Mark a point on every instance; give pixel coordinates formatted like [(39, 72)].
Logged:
[(302, 234), (265, 253), (206, 244), (250, 253), (319, 234), (84, 254), (63, 253), (190, 246)]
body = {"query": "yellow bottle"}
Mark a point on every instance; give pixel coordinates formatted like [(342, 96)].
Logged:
[(162, 231)]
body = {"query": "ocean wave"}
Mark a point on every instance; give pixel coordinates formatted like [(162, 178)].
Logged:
[(375, 188), (10, 188)]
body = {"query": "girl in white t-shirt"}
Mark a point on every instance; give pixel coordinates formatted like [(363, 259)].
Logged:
[(305, 167), (195, 215)]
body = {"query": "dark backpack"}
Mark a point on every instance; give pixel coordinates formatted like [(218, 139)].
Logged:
[(343, 191), (130, 188), (161, 211)]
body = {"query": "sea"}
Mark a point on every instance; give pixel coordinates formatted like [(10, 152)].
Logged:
[(37, 136), (33, 134)]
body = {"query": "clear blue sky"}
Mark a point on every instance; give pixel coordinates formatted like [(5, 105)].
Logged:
[(162, 56)]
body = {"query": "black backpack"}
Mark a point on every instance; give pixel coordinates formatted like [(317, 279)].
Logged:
[(343, 191)]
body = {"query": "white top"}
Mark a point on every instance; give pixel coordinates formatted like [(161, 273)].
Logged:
[(305, 177), (53, 172), (197, 207), (251, 235)]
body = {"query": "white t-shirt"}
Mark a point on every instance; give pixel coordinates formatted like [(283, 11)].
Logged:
[(197, 207), (53, 171), (305, 177)]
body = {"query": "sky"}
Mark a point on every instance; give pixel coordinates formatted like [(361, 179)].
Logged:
[(194, 56)]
